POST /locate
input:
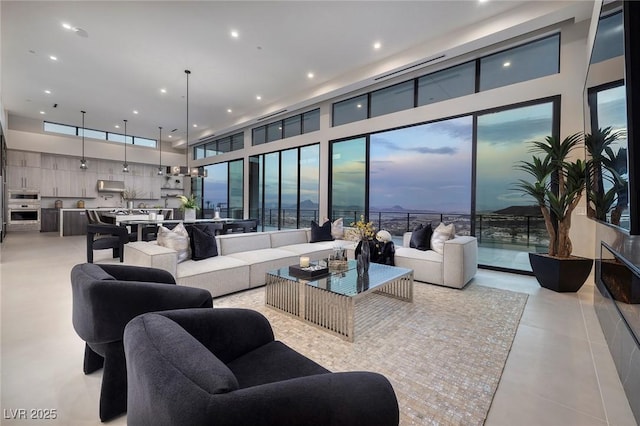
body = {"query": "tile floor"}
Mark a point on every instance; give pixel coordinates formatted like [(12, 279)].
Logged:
[(559, 371)]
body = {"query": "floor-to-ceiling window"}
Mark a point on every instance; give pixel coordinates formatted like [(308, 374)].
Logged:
[(421, 174), (348, 179), (508, 225), (222, 190), (412, 175), (284, 187)]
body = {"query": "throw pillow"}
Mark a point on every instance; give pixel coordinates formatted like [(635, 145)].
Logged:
[(202, 241), (421, 238), (441, 234), (337, 229), (176, 239), (320, 233)]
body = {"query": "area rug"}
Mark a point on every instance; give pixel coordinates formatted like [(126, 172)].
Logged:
[(444, 353)]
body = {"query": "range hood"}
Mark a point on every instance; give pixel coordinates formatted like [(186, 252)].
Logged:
[(110, 185)]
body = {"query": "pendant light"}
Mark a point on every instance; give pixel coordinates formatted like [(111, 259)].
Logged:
[(160, 173), (195, 171), (125, 166), (83, 161)]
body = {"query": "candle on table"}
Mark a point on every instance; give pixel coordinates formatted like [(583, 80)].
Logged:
[(304, 262)]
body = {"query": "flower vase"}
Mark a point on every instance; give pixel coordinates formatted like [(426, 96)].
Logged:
[(363, 257), (189, 215)]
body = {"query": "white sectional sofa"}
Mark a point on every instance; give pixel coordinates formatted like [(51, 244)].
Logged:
[(244, 259)]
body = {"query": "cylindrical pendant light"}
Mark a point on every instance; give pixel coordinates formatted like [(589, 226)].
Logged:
[(160, 173), (187, 72), (83, 161), (125, 166)]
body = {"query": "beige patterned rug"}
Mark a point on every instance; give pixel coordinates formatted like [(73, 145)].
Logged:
[(444, 353)]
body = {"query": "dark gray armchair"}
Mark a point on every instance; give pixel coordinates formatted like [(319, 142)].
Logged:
[(105, 298), (222, 366)]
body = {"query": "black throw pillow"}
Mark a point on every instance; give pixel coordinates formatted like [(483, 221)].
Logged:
[(320, 233), (421, 238), (203, 242)]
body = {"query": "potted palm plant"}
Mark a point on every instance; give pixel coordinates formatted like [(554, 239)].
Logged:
[(606, 167), (557, 187)]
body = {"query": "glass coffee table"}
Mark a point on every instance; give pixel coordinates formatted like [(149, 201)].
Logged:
[(328, 301)]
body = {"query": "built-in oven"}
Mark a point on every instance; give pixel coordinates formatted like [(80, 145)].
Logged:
[(23, 196), (23, 214)]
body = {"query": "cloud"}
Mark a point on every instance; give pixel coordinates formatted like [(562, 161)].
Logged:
[(392, 146)]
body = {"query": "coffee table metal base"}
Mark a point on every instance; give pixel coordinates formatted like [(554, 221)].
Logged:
[(330, 311)]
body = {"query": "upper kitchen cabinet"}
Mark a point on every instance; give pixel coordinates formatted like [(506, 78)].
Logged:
[(60, 162), (24, 159), (23, 170)]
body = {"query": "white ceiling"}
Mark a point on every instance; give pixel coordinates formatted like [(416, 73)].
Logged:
[(125, 52)]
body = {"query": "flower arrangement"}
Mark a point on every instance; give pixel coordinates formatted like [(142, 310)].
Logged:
[(365, 230), (188, 202), (129, 194)]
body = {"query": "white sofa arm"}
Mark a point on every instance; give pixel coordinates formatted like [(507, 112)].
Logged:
[(460, 261), (142, 253)]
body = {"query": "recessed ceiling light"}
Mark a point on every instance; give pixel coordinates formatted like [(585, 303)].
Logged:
[(163, 90), (506, 64), (170, 136), (229, 110), (310, 75), (66, 26), (195, 125), (48, 92), (42, 112), (359, 105), (377, 45), (135, 111), (234, 34), (117, 126), (258, 97), (53, 58), (483, 1)]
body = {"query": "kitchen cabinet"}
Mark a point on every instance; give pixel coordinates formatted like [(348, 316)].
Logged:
[(24, 159), (20, 177), (74, 222), (60, 162), (65, 183), (49, 220)]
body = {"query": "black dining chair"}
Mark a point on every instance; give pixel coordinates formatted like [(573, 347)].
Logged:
[(104, 236)]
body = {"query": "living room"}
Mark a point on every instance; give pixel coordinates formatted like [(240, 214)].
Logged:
[(553, 99)]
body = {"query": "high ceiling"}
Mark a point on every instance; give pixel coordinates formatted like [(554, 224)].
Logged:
[(117, 56)]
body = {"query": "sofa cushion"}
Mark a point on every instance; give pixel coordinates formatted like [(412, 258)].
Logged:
[(320, 233), (217, 263), (441, 234), (184, 353), (202, 241), (288, 237), (230, 244), (176, 239), (421, 237)]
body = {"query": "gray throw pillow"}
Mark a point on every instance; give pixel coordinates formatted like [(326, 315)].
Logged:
[(176, 239)]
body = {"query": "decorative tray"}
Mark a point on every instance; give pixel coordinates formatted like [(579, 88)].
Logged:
[(309, 272)]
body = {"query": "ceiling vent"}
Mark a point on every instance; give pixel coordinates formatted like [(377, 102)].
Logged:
[(410, 67), (271, 115)]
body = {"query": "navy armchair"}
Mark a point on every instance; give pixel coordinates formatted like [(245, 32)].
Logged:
[(105, 298), (222, 366)]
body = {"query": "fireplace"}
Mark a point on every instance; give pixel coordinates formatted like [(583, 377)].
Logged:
[(617, 305)]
